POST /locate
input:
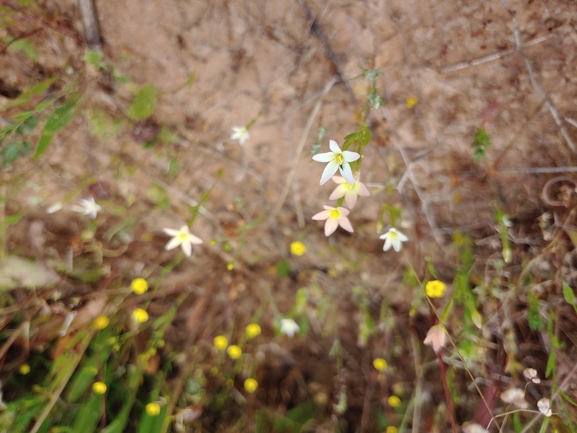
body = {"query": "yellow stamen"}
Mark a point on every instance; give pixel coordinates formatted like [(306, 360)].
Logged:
[(339, 158)]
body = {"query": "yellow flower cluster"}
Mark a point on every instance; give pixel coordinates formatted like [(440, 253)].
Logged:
[(253, 330), (99, 387), (298, 248), (101, 322), (139, 286), (250, 385), (152, 409), (380, 364), (435, 289)]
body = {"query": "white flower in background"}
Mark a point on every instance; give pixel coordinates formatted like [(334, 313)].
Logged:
[(289, 327), (393, 238), (182, 237), (531, 374), (515, 396), (240, 133), (55, 207), (544, 406), (334, 216), (474, 428), (87, 207), (337, 160), (348, 191)]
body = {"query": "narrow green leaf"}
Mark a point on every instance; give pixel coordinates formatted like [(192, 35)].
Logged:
[(550, 363), (568, 294), (43, 144), (58, 120), (144, 103)]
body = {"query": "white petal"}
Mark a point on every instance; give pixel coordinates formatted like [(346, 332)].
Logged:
[(344, 212), (363, 190), (334, 146), (347, 173), (173, 243), (194, 239), (396, 244), (187, 248), (350, 156), (329, 170), (324, 157), (171, 232), (387, 245), (401, 236)]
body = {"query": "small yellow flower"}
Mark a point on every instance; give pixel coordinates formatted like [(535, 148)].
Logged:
[(140, 315), (435, 289), (380, 364), (24, 369), (394, 401), (220, 342), (234, 351), (298, 248), (152, 409), (139, 286), (250, 385), (99, 388), (411, 101), (230, 266), (392, 429), (101, 322), (253, 330)]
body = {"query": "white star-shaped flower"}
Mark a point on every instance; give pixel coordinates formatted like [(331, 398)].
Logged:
[(240, 133), (393, 238), (348, 191), (337, 160), (182, 237), (87, 207), (289, 327), (334, 216)]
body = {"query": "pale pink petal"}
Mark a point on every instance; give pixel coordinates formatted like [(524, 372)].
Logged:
[(344, 212), (330, 226), (334, 146), (323, 157), (363, 191), (347, 173), (351, 199), (338, 192), (329, 171), (323, 215), (350, 156), (338, 179), (346, 224)]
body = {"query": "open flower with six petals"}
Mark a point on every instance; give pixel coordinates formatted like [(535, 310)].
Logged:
[(393, 238), (348, 191), (334, 216), (337, 160), (182, 237)]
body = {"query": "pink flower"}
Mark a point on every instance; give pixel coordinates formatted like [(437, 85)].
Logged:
[(334, 216), (348, 191), (436, 337)]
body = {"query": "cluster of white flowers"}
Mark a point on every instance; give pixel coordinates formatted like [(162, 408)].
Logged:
[(349, 187)]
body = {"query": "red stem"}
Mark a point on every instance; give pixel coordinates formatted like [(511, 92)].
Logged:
[(447, 394)]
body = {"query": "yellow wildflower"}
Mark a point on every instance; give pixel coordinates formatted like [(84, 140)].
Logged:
[(99, 388), (139, 286), (152, 409), (250, 385), (234, 351), (411, 101), (394, 401), (220, 342), (380, 364), (24, 369), (435, 289), (101, 322), (392, 429), (230, 266), (298, 248), (140, 315), (253, 330)]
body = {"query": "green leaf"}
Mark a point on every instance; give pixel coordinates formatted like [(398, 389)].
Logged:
[(364, 135), (58, 120), (88, 415), (144, 103), (283, 268), (481, 142), (534, 319), (37, 89), (568, 294), (550, 362)]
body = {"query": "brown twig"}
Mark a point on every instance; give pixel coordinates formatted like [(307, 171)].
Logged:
[(17, 38), (328, 49)]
